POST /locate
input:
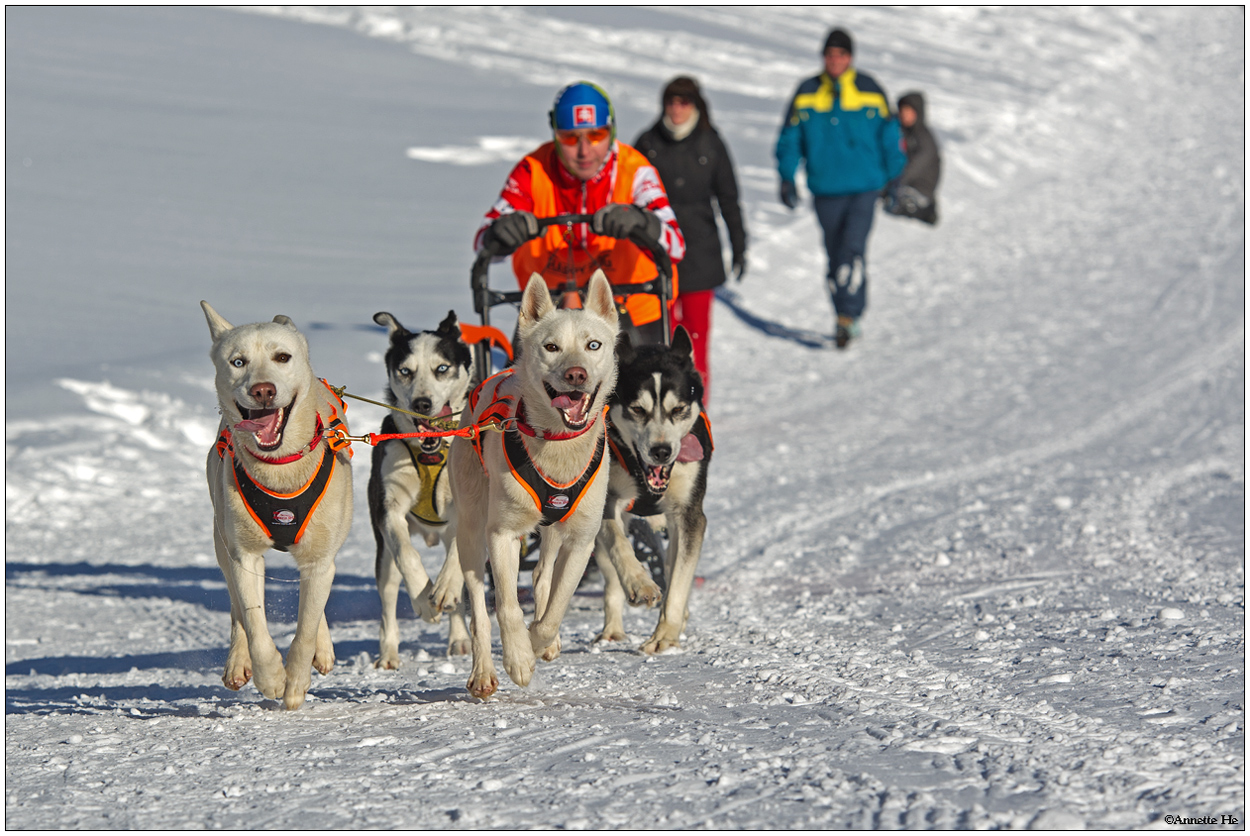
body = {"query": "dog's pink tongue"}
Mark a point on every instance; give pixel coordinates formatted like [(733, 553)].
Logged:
[(575, 408), (444, 412), (266, 427), (691, 450)]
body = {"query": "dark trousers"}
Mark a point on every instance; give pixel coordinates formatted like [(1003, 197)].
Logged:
[(846, 221)]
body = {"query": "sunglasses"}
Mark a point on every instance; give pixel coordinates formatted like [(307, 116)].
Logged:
[(571, 138)]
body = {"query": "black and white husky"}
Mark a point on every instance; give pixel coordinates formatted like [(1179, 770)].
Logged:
[(661, 445), (409, 488)]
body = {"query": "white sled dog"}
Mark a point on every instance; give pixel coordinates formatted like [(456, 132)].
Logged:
[(409, 489), (661, 445), (276, 481), (549, 468)]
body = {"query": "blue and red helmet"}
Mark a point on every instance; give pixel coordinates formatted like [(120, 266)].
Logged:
[(582, 105)]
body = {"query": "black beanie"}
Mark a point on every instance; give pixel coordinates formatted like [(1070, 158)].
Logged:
[(841, 39)]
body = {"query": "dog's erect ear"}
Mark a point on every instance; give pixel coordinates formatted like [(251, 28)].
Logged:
[(283, 319), (682, 344), (392, 324), (599, 298), (449, 327), (217, 324), (535, 303), (624, 348)]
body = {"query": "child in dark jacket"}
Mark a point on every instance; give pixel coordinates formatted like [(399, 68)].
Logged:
[(913, 193)]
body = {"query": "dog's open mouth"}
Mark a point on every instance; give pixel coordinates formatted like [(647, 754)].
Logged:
[(265, 425), (656, 476), (434, 444), (574, 407)]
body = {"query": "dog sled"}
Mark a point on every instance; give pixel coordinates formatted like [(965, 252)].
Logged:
[(485, 339)]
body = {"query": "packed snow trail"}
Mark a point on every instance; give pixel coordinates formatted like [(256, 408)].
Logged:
[(984, 569)]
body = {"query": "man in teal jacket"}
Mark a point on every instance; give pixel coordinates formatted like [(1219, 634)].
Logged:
[(839, 123)]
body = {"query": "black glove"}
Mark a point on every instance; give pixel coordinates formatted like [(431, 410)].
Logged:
[(512, 230), (739, 266), (621, 220), (789, 194)]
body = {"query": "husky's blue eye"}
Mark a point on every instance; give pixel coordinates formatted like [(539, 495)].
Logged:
[(593, 345), (405, 372), (238, 362), (442, 369)]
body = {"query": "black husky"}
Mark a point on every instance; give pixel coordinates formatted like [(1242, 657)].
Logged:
[(409, 487), (661, 445)]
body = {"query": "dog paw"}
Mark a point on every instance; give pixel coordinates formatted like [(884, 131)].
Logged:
[(387, 663), (237, 678), (459, 647), (611, 636), (642, 591), (271, 683), (520, 665), (482, 684), (423, 602), (551, 652), (446, 595), (659, 643), (323, 661)]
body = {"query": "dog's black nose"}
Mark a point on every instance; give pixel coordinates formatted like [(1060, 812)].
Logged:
[(422, 405), (661, 452), (575, 376), (263, 393)]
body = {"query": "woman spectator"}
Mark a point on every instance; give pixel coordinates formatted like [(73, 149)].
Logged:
[(696, 169)]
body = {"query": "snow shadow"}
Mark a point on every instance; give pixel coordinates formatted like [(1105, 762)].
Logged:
[(154, 700), (803, 336), (352, 598), (202, 660)]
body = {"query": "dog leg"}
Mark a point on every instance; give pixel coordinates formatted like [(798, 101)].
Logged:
[(238, 671), (549, 549), (420, 588), (314, 591), (634, 578), (388, 590), (613, 592), (246, 574), (451, 575), (684, 547), (458, 643), (323, 656), (449, 586), (482, 681), (570, 565), (505, 559)]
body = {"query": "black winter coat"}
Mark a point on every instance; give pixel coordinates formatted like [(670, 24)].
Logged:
[(696, 170)]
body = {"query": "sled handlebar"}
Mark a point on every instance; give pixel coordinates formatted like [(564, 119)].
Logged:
[(484, 298)]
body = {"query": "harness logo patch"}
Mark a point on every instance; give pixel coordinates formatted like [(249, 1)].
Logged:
[(584, 115), (283, 516), (558, 501)]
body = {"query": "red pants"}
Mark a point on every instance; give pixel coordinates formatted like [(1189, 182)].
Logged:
[(694, 311)]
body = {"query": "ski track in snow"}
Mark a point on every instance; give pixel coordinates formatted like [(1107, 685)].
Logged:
[(982, 570)]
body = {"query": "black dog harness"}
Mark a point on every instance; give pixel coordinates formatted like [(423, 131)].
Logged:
[(283, 517), (647, 504), (554, 501)]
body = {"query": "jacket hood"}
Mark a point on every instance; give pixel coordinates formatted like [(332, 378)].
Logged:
[(915, 101)]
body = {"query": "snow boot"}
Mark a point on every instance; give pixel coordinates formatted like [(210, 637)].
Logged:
[(847, 329)]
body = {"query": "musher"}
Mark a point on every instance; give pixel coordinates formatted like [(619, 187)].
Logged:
[(585, 170)]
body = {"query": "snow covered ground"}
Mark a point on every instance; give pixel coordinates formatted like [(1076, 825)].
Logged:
[(982, 570)]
